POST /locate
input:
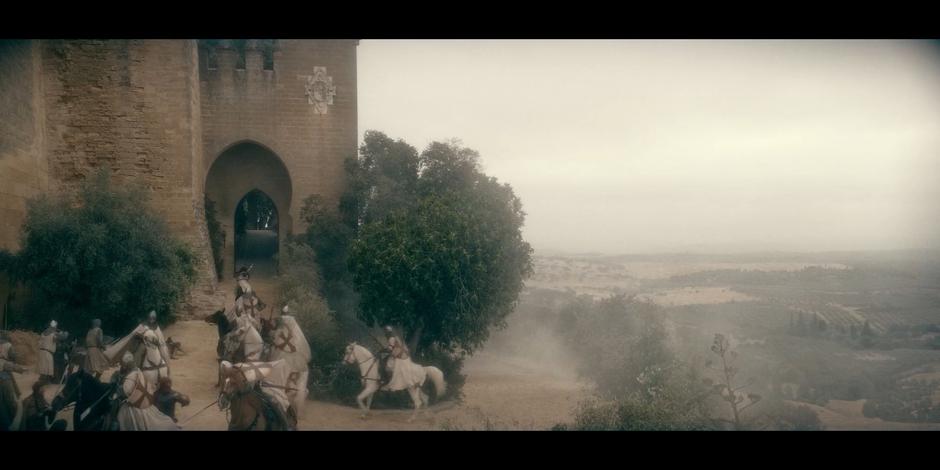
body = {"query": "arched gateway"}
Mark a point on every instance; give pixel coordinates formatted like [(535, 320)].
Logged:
[(251, 189), (186, 119)]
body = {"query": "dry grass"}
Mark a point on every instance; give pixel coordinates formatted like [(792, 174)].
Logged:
[(25, 346)]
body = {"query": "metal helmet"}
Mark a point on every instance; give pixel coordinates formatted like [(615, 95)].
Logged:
[(243, 273), (127, 360), (53, 324)]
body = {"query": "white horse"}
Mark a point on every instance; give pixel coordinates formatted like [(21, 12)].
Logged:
[(369, 374)]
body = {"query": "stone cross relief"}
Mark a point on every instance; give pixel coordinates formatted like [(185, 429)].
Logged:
[(319, 89)]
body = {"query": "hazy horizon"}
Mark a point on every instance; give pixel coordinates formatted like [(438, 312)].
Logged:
[(672, 146)]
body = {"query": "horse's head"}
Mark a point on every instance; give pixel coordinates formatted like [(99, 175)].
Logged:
[(350, 356), (216, 317)]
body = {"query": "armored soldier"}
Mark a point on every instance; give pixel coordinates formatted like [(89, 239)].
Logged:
[(136, 411), (404, 372), (290, 344), (95, 360), (48, 342), (156, 360), (245, 297), (166, 398)]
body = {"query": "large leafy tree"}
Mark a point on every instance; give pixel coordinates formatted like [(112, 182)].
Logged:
[(438, 249), (100, 252)]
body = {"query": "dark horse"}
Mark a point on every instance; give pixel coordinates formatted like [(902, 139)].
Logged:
[(218, 319), (251, 410), (88, 393)]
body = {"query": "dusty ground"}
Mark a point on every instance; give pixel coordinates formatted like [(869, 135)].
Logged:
[(515, 396), (498, 394)]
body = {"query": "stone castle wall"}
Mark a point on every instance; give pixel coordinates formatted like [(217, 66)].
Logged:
[(271, 108), (158, 116)]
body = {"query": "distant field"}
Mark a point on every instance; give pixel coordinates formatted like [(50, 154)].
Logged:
[(696, 296), (798, 322), (881, 293), (842, 415)]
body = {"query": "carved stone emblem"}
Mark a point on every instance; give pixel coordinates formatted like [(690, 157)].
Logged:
[(320, 90)]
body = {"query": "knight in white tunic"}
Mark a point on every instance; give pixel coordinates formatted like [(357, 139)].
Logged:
[(246, 299), (95, 360), (137, 411), (155, 362), (48, 341), (405, 373), (290, 344)]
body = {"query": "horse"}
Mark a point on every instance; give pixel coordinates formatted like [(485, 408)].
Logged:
[(87, 393), (255, 394), (369, 374), (244, 344), (224, 326), (221, 321)]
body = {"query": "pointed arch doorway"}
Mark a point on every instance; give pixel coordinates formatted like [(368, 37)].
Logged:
[(251, 189)]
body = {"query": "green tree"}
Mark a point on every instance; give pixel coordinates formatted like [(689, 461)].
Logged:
[(382, 179), (447, 261), (100, 252)]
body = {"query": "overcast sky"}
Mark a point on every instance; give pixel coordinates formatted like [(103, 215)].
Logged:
[(653, 146)]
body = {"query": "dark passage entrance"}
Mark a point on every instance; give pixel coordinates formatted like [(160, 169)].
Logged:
[(256, 231), (252, 191)]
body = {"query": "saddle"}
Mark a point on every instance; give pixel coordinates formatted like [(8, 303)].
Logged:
[(384, 375)]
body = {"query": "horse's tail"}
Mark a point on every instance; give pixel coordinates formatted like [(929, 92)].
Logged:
[(440, 386)]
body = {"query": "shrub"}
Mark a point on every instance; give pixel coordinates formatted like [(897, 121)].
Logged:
[(786, 417), (634, 412), (100, 252), (216, 236), (298, 287)]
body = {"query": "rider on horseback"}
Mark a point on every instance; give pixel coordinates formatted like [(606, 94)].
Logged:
[(136, 411), (395, 353)]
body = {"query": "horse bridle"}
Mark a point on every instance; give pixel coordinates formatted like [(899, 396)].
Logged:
[(374, 360)]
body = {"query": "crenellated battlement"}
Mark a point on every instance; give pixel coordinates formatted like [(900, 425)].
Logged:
[(221, 57)]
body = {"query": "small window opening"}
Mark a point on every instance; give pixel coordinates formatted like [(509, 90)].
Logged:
[(212, 58), (268, 55), (240, 48)]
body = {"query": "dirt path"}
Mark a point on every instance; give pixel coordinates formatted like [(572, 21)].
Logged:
[(498, 394)]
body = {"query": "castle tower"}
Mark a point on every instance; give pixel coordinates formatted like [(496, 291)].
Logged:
[(185, 119)]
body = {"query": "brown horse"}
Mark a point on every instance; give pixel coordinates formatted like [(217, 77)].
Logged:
[(252, 411), (250, 407)]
